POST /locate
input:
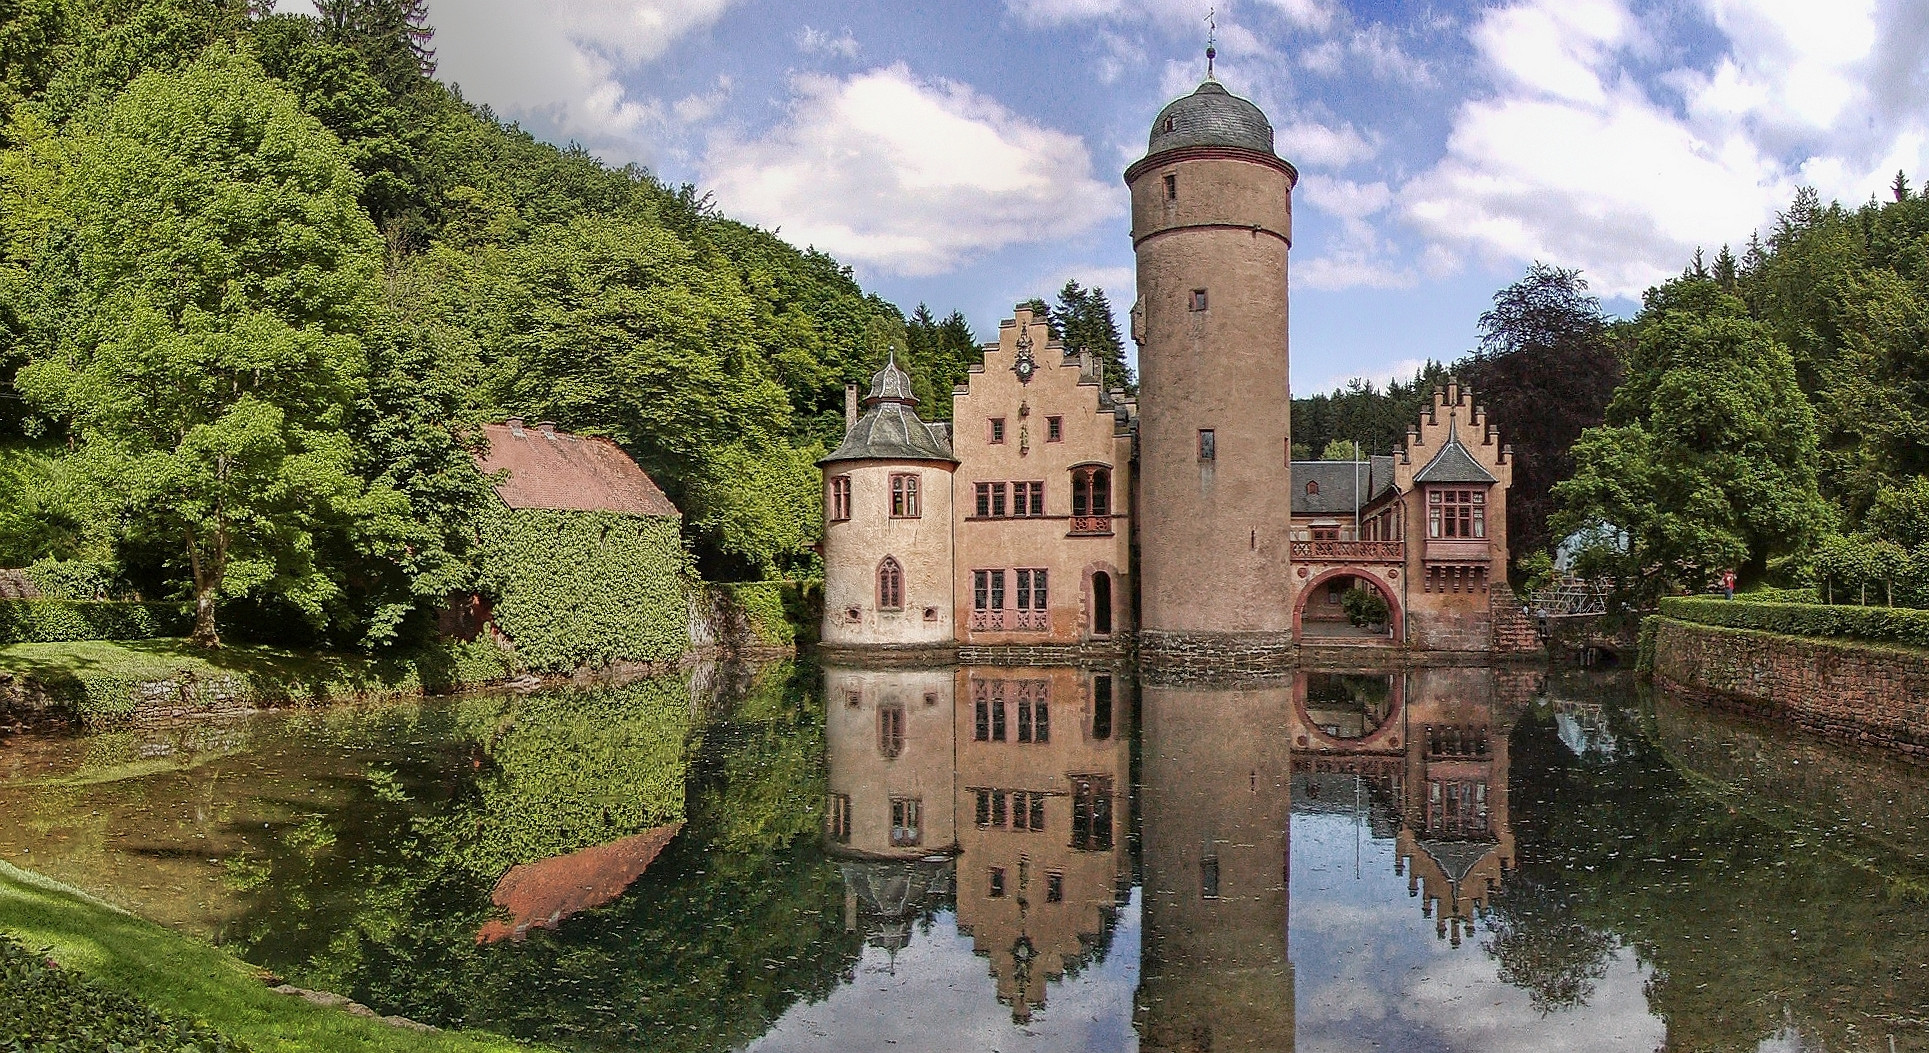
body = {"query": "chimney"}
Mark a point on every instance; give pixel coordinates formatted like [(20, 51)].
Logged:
[(549, 429), (515, 426), (850, 406)]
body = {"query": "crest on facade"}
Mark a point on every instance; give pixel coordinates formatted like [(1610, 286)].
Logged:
[(1026, 364)]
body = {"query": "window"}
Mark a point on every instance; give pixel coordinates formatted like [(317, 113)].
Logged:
[(1031, 589), (907, 829), (1102, 707), (997, 429), (1312, 486), (840, 498), (1028, 499), (1092, 491), (1022, 810), (1209, 877), (1054, 429), (1034, 720), (837, 818), (1054, 887), (1208, 446), (1456, 513), (890, 585), (1171, 123), (1198, 302), (1326, 533), (988, 590), (995, 883), (991, 500), (904, 497), (1171, 181), (1092, 813), (890, 731), (1101, 604)]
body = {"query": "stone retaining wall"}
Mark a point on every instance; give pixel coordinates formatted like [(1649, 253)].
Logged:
[(1216, 653), (1845, 690)]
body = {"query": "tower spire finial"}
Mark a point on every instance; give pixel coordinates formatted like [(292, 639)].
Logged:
[(1212, 34)]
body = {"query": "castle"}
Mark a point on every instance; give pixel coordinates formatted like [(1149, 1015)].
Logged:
[(1054, 514)]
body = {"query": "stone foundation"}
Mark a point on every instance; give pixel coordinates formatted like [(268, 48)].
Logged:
[(1216, 653), (1842, 689)]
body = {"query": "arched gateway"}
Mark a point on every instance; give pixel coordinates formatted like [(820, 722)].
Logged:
[(1318, 611)]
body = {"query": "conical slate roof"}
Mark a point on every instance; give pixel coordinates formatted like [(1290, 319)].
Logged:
[(889, 428), (1453, 464), (1211, 116)]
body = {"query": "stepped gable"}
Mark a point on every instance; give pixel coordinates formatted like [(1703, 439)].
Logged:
[(1453, 464), (551, 469)]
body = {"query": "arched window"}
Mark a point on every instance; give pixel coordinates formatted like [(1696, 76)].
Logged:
[(1101, 604), (1092, 491), (890, 585)]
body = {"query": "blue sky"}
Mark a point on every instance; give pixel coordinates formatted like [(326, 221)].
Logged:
[(968, 155)]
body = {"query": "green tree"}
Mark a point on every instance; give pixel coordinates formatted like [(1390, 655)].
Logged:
[(1707, 458), (1338, 450), (1083, 321), (1545, 369), (209, 269)]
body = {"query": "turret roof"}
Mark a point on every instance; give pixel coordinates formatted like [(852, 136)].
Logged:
[(1211, 116), (889, 428)]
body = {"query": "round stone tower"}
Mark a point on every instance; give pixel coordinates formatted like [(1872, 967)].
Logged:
[(1212, 222), (887, 523)]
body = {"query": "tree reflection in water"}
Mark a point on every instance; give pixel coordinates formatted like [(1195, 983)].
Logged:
[(1033, 858)]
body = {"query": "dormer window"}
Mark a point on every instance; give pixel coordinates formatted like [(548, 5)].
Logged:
[(1312, 486), (1170, 124)]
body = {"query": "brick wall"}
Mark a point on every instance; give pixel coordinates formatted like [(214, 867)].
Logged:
[(1515, 631), (1216, 653), (1844, 690)]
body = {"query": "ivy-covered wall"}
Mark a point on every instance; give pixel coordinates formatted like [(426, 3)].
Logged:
[(53, 621), (575, 589)]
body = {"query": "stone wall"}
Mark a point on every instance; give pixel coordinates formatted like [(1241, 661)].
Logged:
[(1850, 691), (1515, 631), (1216, 653)]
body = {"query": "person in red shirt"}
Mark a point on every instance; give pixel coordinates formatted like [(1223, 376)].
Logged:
[(1728, 584)]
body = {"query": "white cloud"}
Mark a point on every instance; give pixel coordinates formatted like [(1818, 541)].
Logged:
[(1571, 158), (563, 61), (1361, 257), (1318, 145), (1403, 370), (820, 42), (1375, 48), (908, 176)]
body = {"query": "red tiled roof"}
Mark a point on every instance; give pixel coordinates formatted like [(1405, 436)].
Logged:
[(569, 472)]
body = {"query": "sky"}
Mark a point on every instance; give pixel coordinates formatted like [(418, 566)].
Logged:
[(968, 155)]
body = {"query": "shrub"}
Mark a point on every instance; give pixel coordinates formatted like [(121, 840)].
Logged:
[(1365, 606), (62, 621), (43, 1007), (1897, 625), (68, 579)]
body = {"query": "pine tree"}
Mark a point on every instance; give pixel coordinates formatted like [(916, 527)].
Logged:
[(1900, 188), (1726, 269), (1083, 320)]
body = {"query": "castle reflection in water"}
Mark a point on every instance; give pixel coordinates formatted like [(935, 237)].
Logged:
[(1008, 795)]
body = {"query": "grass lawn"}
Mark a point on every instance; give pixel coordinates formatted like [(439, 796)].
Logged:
[(191, 980), (99, 679)]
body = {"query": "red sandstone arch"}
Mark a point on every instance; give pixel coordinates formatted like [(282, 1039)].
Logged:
[(1383, 739), (1396, 616)]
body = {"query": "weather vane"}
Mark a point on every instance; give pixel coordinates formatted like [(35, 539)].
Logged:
[(1212, 33)]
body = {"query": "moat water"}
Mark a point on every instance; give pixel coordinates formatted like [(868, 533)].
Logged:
[(795, 858)]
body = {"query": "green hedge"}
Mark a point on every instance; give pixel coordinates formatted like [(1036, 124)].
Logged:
[(780, 612), (1896, 625), (59, 621), (576, 589)]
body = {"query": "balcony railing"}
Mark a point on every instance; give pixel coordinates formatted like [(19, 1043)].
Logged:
[(1350, 551), (1458, 550), (1014, 621), (1092, 525)]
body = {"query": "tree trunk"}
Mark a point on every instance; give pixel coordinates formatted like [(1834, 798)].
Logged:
[(204, 632)]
